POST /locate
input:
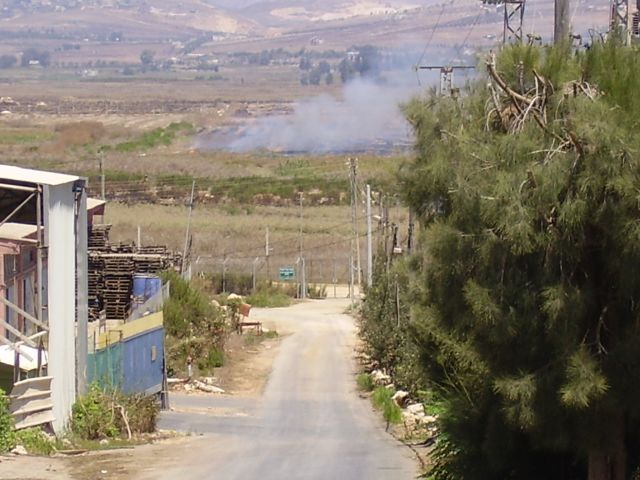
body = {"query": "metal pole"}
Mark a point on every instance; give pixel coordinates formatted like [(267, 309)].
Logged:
[(267, 251), (186, 238), (304, 280), (224, 275), (255, 262), (335, 279), (369, 240), (139, 237)]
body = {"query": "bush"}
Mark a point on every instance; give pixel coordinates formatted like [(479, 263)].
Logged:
[(213, 359), (7, 433), (111, 414)]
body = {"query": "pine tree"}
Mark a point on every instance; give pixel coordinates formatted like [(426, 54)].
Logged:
[(526, 284)]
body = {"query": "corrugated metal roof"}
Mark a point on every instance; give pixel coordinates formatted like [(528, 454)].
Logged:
[(16, 231), (38, 177), (94, 203)]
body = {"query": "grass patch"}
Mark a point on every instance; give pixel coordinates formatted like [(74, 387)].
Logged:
[(382, 399), (23, 137), (365, 382), (155, 138), (269, 299)]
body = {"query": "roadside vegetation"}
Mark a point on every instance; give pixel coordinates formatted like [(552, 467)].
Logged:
[(100, 419), (518, 310), (195, 328)]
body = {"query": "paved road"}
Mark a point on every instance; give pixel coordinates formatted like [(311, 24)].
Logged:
[(309, 423)]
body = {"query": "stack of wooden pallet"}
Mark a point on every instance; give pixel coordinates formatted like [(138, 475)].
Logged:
[(118, 283), (96, 285), (111, 271), (99, 236)]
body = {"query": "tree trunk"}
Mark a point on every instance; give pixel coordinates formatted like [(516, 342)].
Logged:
[(598, 465), (610, 462), (619, 449)]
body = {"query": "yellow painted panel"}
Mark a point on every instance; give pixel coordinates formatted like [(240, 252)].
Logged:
[(131, 329)]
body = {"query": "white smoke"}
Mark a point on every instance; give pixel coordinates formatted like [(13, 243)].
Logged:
[(366, 116), (367, 113)]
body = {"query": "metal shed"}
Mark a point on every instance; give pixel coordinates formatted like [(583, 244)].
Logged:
[(56, 205)]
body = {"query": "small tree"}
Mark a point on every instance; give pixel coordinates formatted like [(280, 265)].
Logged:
[(147, 58)]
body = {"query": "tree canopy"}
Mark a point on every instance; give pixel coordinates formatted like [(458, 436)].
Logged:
[(525, 298)]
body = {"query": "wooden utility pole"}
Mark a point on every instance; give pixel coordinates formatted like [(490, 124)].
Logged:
[(353, 170), (446, 76), (186, 238), (102, 177), (562, 28)]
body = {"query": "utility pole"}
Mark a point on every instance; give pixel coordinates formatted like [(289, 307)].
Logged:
[(446, 76), (622, 19), (303, 287), (353, 171), (253, 271), (513, 19), (186, 238), (369, 240), (102, 176), (267, 252), (561, 27)]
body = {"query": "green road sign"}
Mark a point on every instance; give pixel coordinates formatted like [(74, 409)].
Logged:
[(287, 273)]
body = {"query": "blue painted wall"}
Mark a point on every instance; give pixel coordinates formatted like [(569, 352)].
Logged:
[(142, 369), (130, 364)]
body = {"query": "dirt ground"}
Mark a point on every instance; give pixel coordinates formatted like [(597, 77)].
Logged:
[(248, 364)]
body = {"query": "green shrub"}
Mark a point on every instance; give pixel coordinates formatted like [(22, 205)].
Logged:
[(93, 416), (365, 382), (382, 399), (106, 414), (7, 433), (35, 441), (213, 359)]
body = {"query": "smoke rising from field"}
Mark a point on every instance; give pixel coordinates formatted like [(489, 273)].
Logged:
[(368, 112), (366, 116)]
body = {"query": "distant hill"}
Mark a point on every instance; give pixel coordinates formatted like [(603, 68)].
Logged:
[(281, 23)]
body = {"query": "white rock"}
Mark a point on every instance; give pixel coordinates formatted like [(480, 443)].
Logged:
[(429, 419), (215, 303), (391, 386), (233, 296), (380, 378), (207, 388), (400, 397), (19, 450), (416, 409), (104, 441), (210, 380)]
